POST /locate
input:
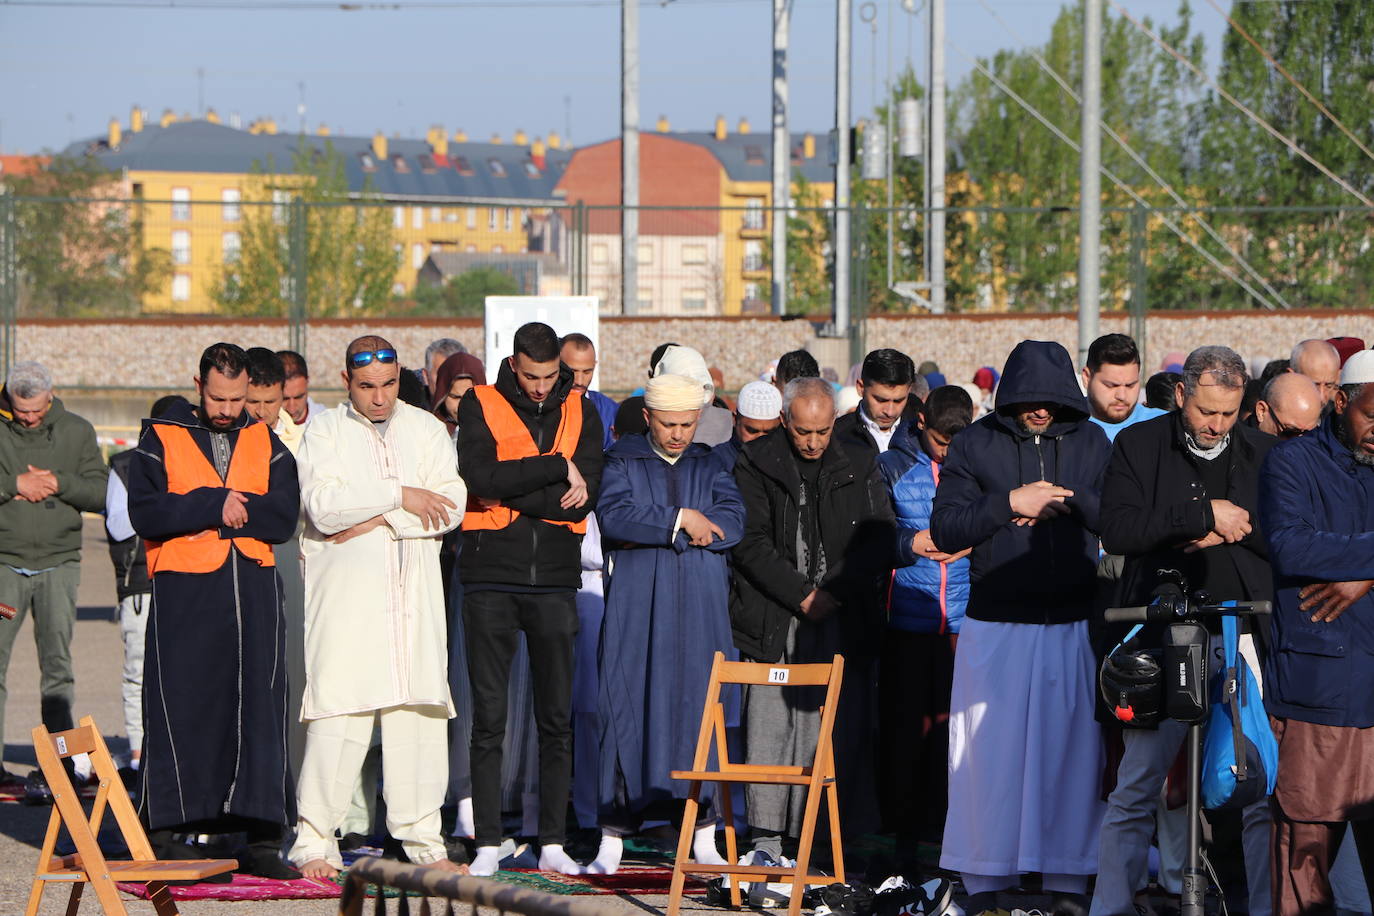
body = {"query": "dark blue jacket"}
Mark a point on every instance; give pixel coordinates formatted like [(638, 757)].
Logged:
[(1043, 573), (1317, 512), (924, 596)]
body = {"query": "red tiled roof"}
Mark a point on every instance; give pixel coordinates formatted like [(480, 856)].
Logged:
[(674, 174), (21, 165)]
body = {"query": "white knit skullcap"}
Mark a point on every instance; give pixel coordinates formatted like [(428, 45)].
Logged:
[(759, 401), (1358, 369)]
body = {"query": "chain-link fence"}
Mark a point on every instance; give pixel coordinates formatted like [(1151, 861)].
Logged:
[(289, 258)]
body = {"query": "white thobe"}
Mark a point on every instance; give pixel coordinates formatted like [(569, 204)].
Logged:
[(374, 605)]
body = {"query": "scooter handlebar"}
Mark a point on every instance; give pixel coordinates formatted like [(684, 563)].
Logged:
[(1155, 612)]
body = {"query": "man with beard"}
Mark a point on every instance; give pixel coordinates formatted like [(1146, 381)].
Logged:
[(884, 386), (211, 491), (1020, 486), (579, 354), (1317, 510), (530, 453), (1181, 493), (1112, 380)]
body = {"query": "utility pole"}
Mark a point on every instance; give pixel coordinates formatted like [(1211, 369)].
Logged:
[(629, 156), (935, 221), (1090, 180), (843, 157), (782, 159)]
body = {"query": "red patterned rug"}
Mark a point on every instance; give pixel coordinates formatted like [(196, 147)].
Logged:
[(634, 880)]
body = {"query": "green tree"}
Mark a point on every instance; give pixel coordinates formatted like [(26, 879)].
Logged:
[(464, 295), (1318, 259), (1028, 260), (348, 250), (79, 251)]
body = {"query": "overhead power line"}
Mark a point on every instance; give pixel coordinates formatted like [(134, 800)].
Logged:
[(1138, 159), (1277, 134), (1112, 176), (1288, 76)]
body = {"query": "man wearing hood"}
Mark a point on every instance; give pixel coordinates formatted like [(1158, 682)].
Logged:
[(211, 490), (50, 472), (1020, 487), (530, 453)]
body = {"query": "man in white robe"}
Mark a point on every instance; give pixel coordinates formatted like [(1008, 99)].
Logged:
[(381, 487)]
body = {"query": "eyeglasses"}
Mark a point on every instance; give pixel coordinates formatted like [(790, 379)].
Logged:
[(1290, 432), (365, 357)]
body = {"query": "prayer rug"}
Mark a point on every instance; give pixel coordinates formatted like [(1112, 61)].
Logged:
[(247, 887)]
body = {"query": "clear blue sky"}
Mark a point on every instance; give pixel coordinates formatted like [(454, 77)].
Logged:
[(487, 69)]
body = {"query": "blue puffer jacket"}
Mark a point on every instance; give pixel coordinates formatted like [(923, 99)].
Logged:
[(924, 596), (1317, 513)]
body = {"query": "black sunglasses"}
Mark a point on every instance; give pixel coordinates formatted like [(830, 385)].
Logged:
[(365, 357)]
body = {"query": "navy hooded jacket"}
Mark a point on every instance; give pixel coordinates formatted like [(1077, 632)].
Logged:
[(1317, 513), (1043, 573)]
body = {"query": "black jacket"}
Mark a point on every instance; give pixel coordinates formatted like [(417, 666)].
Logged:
[(856, 524), (530, 552), (129, 556), (850, 430), (1043, 573), (1154, 503)]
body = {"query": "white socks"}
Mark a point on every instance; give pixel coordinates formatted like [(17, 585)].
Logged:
[(607, 861), (553, 858), (487, 861), (464, 826), (704, 849)]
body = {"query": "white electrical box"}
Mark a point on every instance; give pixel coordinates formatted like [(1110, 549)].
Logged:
[(565, 314)]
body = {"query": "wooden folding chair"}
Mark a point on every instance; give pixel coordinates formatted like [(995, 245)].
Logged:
[(89, 865), (819, 778)]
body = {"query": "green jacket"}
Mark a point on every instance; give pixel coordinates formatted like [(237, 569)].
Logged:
[(46, 534)]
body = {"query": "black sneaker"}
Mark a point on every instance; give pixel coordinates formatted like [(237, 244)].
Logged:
[(855, 899), (36, 789), (12, 785), (898, 897)]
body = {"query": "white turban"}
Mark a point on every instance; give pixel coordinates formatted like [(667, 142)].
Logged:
[(688, 362), (673, 393), (1358, 369)]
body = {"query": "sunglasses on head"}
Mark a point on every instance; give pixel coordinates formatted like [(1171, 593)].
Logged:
[(366, 357)]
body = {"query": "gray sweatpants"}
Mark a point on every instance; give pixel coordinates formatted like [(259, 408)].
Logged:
[(133, 628), (51, 596), (1126, 829)]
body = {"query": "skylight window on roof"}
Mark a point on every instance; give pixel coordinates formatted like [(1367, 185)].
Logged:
[(531, 170), (462, 165), (426, 163), (497, 168), (753, 155), (398, 162), (368, 163)]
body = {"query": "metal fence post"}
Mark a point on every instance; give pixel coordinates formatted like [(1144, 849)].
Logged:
[(299, 307), (9, 281), (858, 300), (579, 249), (1139, 280)]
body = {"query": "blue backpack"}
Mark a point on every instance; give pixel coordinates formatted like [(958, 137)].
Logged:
[(1240, 758)]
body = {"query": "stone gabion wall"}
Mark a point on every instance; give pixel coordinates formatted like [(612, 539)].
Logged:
[(162, 354)]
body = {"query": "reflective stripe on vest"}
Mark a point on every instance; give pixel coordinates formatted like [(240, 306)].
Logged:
[(188, 469), (513, 442)]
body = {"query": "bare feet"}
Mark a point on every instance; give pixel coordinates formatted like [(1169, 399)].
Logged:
[(318, 868), (446, 865)]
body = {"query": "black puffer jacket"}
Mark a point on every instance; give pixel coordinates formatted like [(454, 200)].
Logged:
[(1043, 573), (855, 519), (530, 552)]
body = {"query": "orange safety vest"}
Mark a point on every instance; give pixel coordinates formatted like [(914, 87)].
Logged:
[(188, 469), (513, 442)]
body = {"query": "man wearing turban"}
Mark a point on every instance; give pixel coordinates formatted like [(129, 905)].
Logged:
[(669, 514)]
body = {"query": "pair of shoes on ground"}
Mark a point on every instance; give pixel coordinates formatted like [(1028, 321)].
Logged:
[(894, 897), (261, 860)]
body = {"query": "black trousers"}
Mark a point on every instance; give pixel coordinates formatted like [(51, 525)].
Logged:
[(914, 687), (493, 622)]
